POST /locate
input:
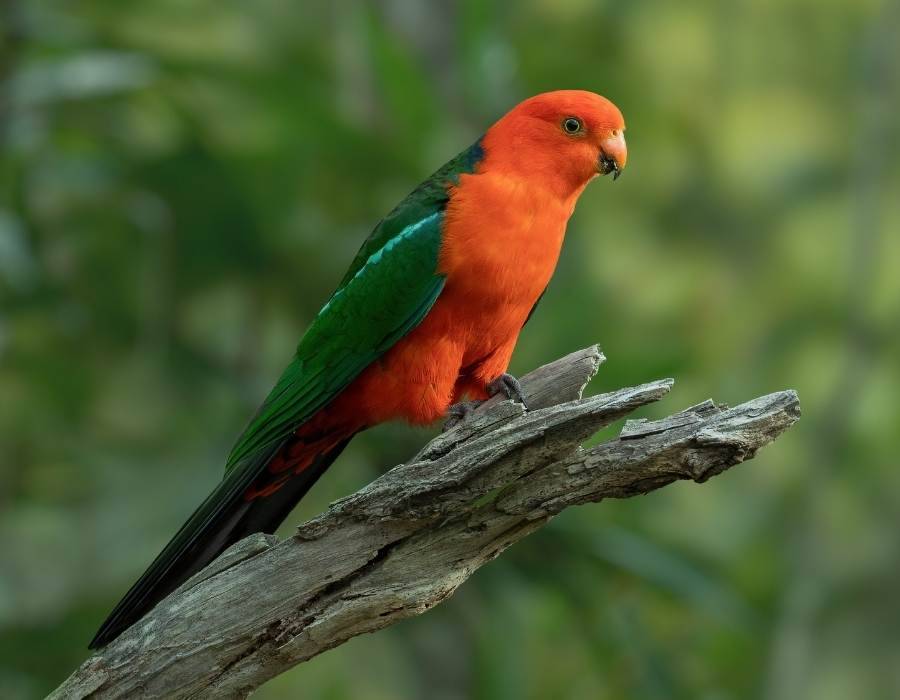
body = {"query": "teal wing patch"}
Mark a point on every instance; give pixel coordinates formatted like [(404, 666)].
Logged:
[(427, 198)]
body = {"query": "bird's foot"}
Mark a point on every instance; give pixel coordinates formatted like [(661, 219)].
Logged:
[(458, 413), (510, 387)]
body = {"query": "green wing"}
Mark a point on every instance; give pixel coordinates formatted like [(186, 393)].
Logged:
[(386, 298), (389, 288)]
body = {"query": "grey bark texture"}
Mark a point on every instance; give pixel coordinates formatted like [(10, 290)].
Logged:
[(405, 542)]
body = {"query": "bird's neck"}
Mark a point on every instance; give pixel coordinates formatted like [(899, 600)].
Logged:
[(544, 171)]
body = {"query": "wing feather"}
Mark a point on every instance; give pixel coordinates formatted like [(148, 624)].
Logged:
[(385, 299)]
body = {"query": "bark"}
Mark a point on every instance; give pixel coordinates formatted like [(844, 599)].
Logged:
[(405, 542)]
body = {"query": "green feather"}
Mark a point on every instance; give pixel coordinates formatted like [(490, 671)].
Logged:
[(427, 198), (390, 287), (383, 301)]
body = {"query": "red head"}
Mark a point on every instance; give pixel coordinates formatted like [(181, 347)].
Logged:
[(565, 138)]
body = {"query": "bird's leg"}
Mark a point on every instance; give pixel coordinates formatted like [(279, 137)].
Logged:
[(505, 384), (509, 386), (458, 413)]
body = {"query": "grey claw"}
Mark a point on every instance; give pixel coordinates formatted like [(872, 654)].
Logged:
[(510, 387), (458, 413)]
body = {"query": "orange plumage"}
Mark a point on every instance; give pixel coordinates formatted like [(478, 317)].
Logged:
[(503, 232)]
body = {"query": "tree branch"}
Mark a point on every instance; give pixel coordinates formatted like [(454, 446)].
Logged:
[(405, 542)]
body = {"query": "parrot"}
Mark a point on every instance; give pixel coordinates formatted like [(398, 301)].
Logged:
[(422, 325)]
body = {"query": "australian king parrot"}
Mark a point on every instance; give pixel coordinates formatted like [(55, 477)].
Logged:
[(427, 315)]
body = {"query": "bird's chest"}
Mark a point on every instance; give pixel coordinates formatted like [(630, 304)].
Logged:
[(502, 240)]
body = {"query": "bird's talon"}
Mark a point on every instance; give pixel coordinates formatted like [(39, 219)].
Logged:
[(510, 387), (458, 413)]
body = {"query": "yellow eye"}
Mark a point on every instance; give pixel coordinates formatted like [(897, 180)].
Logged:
[(572, 125)]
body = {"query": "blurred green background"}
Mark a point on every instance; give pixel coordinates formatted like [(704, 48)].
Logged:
[(182, 184)]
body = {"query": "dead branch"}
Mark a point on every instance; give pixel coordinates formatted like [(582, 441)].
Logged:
[(405, 542)]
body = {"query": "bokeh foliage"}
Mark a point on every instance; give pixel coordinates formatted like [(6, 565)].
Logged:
[(183, 183)]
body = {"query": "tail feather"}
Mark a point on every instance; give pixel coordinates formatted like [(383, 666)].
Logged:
[(234, 510)]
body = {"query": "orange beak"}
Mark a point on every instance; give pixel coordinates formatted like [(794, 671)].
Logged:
[(613, 154)]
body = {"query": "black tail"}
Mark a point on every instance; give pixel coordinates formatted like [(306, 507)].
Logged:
[(224, 518)]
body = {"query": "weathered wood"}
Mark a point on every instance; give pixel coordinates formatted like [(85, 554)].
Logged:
[(405, 542)]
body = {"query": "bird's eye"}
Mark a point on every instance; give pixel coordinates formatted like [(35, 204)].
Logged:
[(572, 125)]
